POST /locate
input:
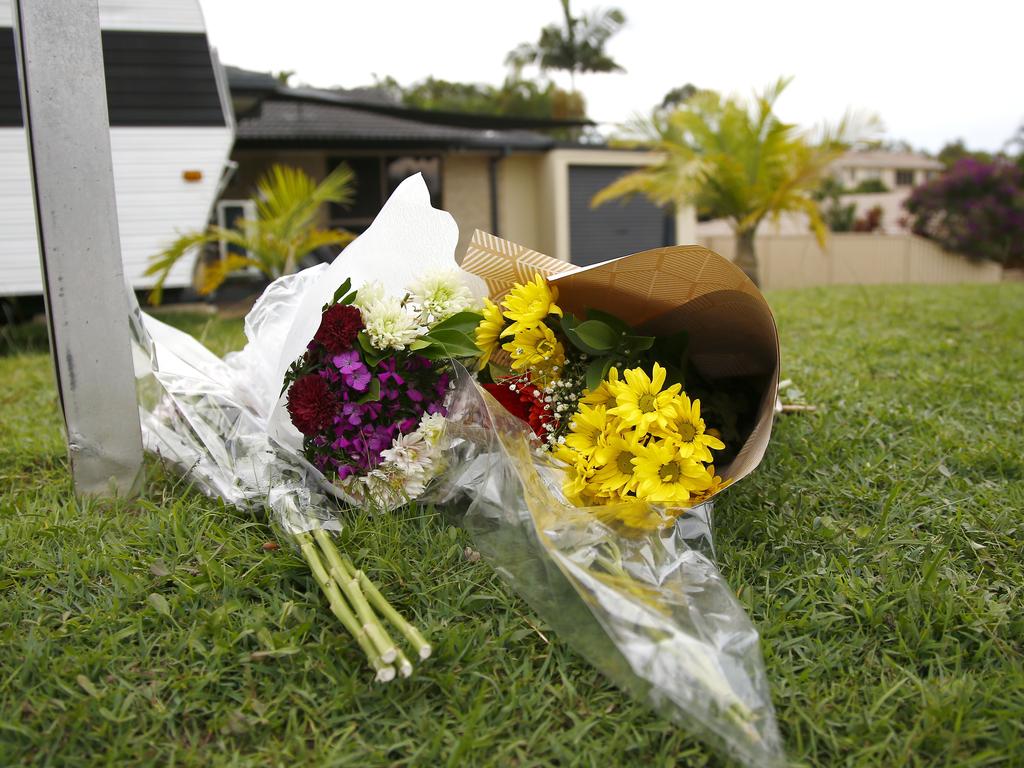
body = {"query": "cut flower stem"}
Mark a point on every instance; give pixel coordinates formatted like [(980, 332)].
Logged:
[(385, 672), (349, 584), (416, 640)]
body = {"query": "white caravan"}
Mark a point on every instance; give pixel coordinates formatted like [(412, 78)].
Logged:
[(171, 132)]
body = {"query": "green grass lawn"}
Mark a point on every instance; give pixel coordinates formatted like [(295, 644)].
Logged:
[(879, 549)]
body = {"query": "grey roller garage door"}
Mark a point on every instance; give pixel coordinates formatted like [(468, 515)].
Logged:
[(616, 228)]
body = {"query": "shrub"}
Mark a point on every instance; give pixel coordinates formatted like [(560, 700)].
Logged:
[(975, 208), (870, 186)]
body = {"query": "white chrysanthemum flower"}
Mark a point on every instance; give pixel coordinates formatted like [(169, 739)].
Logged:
[(390, 325), (368, 294), (431, 426), (440, 295)]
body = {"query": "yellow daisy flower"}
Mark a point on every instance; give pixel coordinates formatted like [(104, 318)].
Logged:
[(526, 305), (614, 471), (664, 477), (641, 402), (717, 484), (602, 395), (587, 429), (688, 429), (535, 349), (489, 331)]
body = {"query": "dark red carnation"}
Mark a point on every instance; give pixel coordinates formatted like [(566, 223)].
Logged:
[(311, 404), (339, 327), (522, 403), (510, 401)]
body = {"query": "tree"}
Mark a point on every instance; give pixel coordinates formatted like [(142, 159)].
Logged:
[(975, 208), (733, 161), (578, 46), (953, 152), (676, 97), (515, 97), (276, 240)]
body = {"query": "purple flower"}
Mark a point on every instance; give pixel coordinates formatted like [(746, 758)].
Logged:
[(352, 369)]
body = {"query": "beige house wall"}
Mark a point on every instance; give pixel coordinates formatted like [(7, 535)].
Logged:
[(796, 261), (520, 210), (466, 194)]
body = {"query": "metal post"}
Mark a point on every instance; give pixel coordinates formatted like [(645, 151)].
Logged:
[(64, 105)]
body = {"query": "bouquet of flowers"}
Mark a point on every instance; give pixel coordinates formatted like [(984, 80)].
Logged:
[(340, 392), (368, 393), (634, 437), (584, 464)]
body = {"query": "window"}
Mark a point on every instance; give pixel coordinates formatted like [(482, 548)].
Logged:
[(230, 215), (904, 178), (376, 177)]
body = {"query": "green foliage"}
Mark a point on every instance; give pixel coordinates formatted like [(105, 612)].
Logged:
[(577, 46), (878, 549), (954, 151), (678, 96), (515, 97), (283, 231), (837, 215), (732, 160), (870, 187)]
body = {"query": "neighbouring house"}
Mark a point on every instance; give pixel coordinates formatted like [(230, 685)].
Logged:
[(886, 179), (894, 170), (508, 176)]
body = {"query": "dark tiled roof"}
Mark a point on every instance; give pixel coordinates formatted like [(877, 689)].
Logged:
[(247, 80), (286, 120)]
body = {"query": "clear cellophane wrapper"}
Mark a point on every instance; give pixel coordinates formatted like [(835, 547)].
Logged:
[(648, 608)]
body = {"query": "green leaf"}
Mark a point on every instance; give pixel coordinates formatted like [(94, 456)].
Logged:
[(373, 393), (611, 320), (597, 370), (159, 602), (371, 356), (419, 344), (343, 289), (460, 321), (347, 301), (569, 325), (638, 343), (451, 343), (497, 372), (598, 335)]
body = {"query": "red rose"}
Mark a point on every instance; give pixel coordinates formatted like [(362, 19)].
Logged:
[(311, 404), (339, 327)]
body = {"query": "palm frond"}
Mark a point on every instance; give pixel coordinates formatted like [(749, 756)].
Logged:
[(215, 273), (165, 261)]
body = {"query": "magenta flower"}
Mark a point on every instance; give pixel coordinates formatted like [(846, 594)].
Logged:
[(353, 371)]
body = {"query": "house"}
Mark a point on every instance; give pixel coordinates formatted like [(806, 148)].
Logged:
[(508, 176), (894, 170)]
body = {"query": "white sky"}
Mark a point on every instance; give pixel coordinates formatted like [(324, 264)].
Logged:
[(932, 71)]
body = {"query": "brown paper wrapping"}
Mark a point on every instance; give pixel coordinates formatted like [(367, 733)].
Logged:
[(661, 291)]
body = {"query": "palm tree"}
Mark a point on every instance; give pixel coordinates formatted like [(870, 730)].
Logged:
[(276, 240), (734, 161), (576, 47)]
